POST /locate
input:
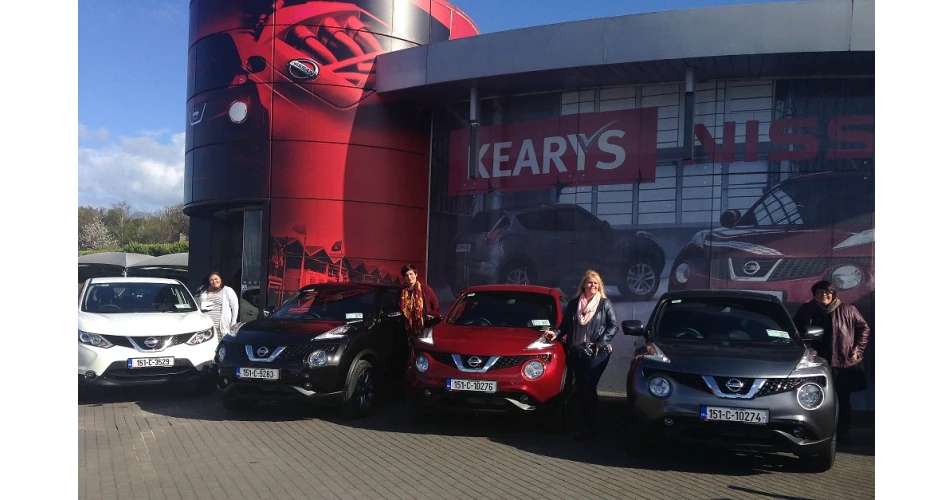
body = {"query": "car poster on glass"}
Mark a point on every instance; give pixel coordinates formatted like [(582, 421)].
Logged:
[(776, 194)]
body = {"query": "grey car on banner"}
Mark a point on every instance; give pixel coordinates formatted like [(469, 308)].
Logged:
[(551, 245)]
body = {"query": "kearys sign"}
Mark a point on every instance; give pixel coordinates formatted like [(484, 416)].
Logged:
[(614, 147)]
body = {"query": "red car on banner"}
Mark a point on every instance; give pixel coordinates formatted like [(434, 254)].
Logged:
[(490, 355), (804, 229)]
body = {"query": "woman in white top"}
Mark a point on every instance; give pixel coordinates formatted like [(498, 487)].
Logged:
[(220, 302)]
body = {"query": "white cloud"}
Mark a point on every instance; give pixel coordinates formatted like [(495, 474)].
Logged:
[(101, 135), (147, 171)]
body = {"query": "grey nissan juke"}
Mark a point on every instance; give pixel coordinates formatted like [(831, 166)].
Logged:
[(729, 369)]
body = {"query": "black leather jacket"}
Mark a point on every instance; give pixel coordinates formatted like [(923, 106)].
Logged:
[(603, 322)]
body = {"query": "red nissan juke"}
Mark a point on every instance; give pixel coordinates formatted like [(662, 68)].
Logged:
[(489, 355)]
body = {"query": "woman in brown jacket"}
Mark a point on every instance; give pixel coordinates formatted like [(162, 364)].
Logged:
[(845, 337), (418, 303)]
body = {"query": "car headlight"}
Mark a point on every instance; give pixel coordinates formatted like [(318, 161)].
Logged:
[(94, 340), (539, 343), (317, 359), (533, 370), (221, 353), (659, 387), (682, 273), (202, 336), (421, 363), (333, 333), (809, 396), (427, 337), (846, 277), (654, 353), (238, 112), (808, 360)]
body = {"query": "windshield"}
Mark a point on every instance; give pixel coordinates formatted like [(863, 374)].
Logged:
[(813, 204), (118, 298), (521, 309), (724, 319), (329, 304)]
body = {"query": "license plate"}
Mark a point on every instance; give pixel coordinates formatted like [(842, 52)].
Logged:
[(742, 415), (455, 384), (463, 247), (259, 373), (135, 363)]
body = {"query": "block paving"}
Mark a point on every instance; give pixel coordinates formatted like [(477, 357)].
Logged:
[(171, 443)]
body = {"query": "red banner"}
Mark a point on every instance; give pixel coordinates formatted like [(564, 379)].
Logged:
[(616, 147)]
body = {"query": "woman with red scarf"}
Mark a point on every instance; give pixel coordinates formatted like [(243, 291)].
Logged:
[(588, 325), (418, 303)]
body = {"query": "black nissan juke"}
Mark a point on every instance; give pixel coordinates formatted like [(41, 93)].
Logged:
[(331, 344)]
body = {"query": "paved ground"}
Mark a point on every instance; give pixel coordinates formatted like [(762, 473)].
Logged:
[(168, 443)]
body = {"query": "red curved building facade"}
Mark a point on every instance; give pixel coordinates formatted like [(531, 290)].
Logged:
[(297, 171)]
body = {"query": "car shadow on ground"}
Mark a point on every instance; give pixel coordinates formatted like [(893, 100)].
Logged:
[(527, 434)]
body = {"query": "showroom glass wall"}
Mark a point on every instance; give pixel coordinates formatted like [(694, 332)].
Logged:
[(779, 193)]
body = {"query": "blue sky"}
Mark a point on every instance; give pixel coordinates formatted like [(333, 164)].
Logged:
[(131, 92)]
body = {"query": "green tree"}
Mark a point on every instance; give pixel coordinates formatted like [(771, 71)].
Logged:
[(117, 218)]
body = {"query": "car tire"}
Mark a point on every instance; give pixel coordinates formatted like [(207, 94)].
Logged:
[(639, 279), (518, 273), (359, 391), (822, 461), (234, 404)]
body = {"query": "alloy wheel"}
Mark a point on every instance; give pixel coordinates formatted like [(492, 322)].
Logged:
[(641, 278), (364, 391)]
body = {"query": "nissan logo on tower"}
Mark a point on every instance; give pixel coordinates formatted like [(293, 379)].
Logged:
[(151, 342), (474, 361), (303, 69), (262, 352)]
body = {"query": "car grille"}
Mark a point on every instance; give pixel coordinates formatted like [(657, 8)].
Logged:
[(763, 267), (778, 385), (509, 361), (441, 357), (126, 342), (786, 269), (118, 372), (301, 350), (722, 384), (790, 269), (503, 362)]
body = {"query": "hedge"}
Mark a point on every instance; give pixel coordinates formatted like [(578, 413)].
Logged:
[(153, 249)]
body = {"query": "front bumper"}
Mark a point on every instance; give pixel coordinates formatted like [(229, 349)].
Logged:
[(790, 427), (297, 381), (109, 367), (514, 393)]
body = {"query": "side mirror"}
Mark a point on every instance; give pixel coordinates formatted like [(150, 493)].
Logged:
[(633, 327), (813, 333), (730, 218), (268, 311), (256, 64)]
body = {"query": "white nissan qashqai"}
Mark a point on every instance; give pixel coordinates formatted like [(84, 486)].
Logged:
[(135, 331)]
